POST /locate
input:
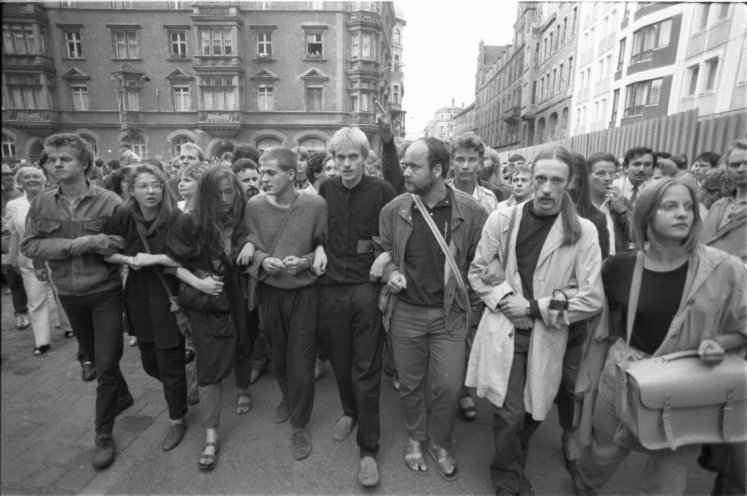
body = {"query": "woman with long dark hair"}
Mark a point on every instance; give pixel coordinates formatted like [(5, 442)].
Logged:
[(579, 191), (207, 243), (149, 213)]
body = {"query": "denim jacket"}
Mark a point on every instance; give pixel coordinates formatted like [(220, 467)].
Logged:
[(467, 220), (51, 227)]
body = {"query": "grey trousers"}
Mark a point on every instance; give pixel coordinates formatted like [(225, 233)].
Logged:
[(425, 352)]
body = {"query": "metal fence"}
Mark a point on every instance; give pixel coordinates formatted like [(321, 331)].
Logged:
[(677, 133)]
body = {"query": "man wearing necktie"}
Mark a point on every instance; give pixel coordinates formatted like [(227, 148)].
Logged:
[(638, 166)]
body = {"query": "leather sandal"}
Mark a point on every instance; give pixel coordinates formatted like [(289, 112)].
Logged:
[(468, 408), (243, 403), (444, 461), (414, 457), (207, 461)]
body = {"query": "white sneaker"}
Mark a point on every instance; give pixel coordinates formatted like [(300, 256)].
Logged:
[(133, 340)]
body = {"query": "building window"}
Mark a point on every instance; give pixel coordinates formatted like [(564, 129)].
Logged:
[(178, 142), (314, 45), (723, 11), (9, 147), (705, 9), (615, 101), (182, 100), (267, 143), (178, 44), (266, 99), (641, 94), (264, 44), (131, 99), (24, 91), (126, 44), (692, 74), (711, 70), (80, 97), (354, 105), (314, 96), (92, 145), (648, 38), (621, 55), (74, 45), (18, 38), (363, 46), (138, 146), (216, 41), (218, 93), (395, 94)]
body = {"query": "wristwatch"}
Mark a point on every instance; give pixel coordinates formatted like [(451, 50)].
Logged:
[(528, 311)]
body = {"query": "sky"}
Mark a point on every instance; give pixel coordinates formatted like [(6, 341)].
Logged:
[(440, 45)]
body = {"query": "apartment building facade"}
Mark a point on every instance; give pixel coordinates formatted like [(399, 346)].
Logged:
[(161, 74)]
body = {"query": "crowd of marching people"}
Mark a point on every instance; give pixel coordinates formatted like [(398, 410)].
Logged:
[(529, 284)]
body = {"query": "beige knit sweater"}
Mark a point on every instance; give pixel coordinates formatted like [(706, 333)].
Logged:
[(306, 227)]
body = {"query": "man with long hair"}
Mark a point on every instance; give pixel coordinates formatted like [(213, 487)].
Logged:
[(542, 247)]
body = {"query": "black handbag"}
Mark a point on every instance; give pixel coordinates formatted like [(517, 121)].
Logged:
[(194, 299)]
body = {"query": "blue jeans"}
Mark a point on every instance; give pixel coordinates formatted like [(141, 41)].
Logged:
[(424, 349), (97, 320)]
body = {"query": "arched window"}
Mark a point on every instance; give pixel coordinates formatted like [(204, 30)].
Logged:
[(397, 38), (9, 147), (178, 142), (314, 145), (92, 145), (138, 146), (267, 143)]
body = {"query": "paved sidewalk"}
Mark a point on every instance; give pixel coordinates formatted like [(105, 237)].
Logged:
[(47, 439)]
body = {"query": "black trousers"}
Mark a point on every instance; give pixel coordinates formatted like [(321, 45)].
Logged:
[(351, 332), (97, 320), (289, 318), (167, 365)]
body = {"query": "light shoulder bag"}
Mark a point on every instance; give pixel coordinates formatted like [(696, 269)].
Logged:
[(447, 253), (676, 400)]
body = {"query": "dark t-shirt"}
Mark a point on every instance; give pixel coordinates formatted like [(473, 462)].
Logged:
[(658, 301), (424, 260), (533, 230)]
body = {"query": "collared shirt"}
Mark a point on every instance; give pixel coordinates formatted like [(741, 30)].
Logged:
[(424, 259), (310, 189), (483, 195), (52, 225), (628, 188), (605, 209), (353, 222)]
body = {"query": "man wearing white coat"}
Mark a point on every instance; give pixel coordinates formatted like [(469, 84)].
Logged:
[(517, 356)]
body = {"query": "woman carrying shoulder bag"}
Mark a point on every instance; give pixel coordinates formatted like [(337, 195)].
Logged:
[(144, 221), (688, 297), (207, 243)]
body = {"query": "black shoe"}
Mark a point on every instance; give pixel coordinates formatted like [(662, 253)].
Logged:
[(41, 350), (89, 372), (174, 435), (189, 356), (193, 397), (69, 334), (124, 402), (103, 453)]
